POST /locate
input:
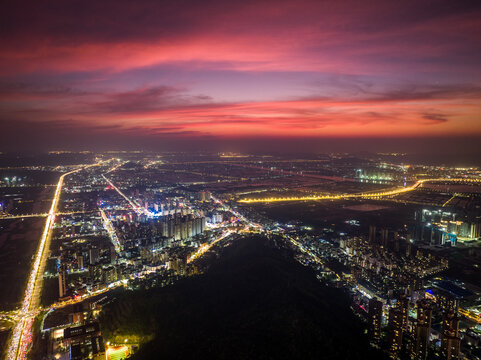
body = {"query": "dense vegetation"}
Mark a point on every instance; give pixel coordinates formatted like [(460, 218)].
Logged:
[(255, 302)]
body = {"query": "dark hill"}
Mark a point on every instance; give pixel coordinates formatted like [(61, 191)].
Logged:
[(253, 303)]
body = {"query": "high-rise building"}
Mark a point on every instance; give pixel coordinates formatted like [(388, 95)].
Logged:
[(177, 231), (395, 331), (190, 232), (181, 227), (80, 260), (447, 302), (95, 272), (62, 281), (109, 274), (94, 255), (183, 230), (423, 329), (165, 229), (450, 341), (375, 319), (403, 304), (384, 237)]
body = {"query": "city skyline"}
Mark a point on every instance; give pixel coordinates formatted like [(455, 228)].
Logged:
[(252, 179)]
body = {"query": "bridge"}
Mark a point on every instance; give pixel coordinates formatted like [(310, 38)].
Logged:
[(22, 216)]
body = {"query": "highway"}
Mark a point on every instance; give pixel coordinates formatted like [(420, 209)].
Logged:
[(366, 195), (137, 208), (206, 247), (21, 337), (111, 231)]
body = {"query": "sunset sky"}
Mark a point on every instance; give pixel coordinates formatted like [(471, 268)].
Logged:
[(126, 73)]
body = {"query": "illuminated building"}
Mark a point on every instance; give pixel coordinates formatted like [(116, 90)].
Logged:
[(438, 226), (423, 329), (398, 318), (450, 341), (77, 315), (62, 281), (84, 341), (203, 196), (95, 272), (80, 261), (93, 255), (384, 237), (447, 302), (109, 274), (217, 218), (375, 319), (181, 227), (403, 304)]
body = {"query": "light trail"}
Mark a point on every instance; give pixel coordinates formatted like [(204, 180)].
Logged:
[(137, 208), (368, 195), (21, 216), (116, 167), (449, 200), (206, 247), (22, 333), (470, 315), (111, 231)]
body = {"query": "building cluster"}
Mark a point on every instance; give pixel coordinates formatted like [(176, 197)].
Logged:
[(89, 261), (79, 336), (384, 263), (170, 228), (440, 227), (410, 311), (422, 330)]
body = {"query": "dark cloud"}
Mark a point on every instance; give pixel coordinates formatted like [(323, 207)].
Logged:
[(76, 21), (143, 100), (29, 89), (146, 100), (355, 87), (433, 118), (409, 63), (429, 92)]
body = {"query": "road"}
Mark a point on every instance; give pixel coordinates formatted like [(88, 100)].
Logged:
[(22, 333), (21, 216), (366, 195), (137, 208), (111, 231), (206, 247)]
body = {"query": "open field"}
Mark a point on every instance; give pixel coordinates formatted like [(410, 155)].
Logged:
[(18, 241)]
